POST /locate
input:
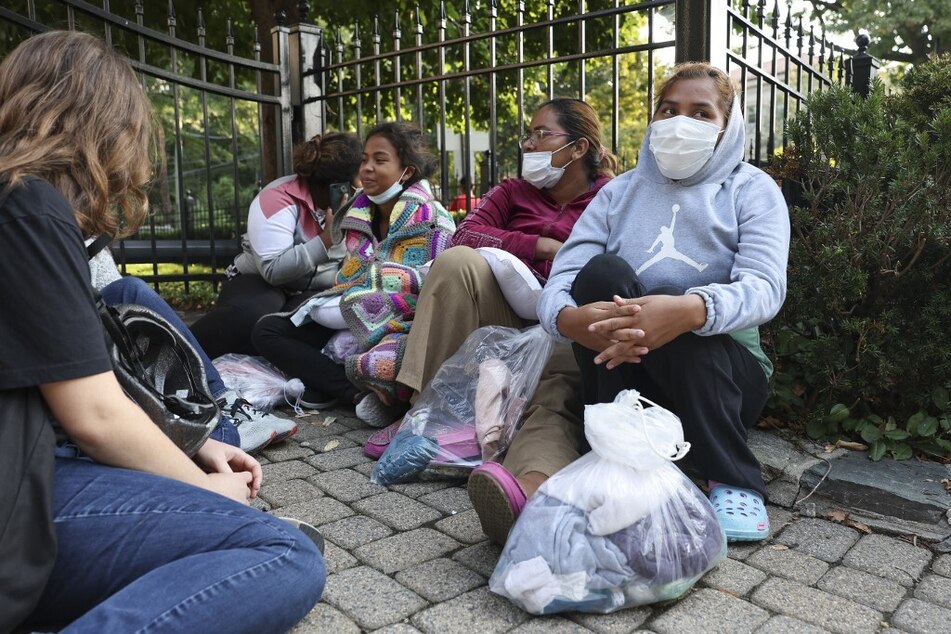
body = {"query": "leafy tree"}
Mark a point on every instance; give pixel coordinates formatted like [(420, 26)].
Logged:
[(901, 31)]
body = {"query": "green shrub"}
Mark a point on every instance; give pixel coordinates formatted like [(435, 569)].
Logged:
[(863, 343)]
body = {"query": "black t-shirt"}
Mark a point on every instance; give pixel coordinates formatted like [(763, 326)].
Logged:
[(49, 327)]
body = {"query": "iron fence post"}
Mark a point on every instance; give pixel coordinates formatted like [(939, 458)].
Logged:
[(701, 31), (280, 38), (306, 64), (862, 67)]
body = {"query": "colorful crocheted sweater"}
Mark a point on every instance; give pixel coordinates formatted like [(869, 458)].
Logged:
[(380, 281)]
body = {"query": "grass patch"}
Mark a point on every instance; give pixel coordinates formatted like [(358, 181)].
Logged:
[(199, 296)]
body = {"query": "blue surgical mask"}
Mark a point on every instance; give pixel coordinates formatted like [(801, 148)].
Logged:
[(392, 191)]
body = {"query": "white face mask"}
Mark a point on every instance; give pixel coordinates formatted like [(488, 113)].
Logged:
[(391, 192), (682, 145), (538, 170)]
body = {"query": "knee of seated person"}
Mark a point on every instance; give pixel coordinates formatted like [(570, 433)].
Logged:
[(604, 276), (266, 329), (452, 262), (305, 571), (127, 290)]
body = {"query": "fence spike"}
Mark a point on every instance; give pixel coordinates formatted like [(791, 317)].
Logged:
[(442, 10), (397, 32), (776, 18), (139, 7), (788, 21), (303, 10), (419, 20), (201, 23), (356, 34), (761, 12), (376, 27), (171, 15)]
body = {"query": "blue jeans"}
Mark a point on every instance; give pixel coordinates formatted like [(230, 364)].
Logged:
[(141, 552), (132, 290)]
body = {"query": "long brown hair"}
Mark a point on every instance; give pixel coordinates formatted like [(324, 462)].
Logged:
[(581, 121), (73, 113)]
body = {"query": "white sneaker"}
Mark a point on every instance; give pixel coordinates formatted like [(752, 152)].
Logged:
[(256, 429), (373, 412)]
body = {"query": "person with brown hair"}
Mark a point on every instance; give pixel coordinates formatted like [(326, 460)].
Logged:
[(135, 535), (662, 286), (287, 252), (565, 165)]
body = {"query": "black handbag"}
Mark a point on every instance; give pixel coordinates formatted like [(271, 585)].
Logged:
[(160, 370)]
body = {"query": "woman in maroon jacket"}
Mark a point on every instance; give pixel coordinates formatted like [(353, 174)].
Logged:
[(564, 165)]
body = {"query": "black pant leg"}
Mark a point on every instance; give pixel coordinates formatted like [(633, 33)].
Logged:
[(296, 351), (242, 301), (713, 384)]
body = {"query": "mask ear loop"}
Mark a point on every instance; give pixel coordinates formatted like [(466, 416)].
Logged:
[(682, 447)]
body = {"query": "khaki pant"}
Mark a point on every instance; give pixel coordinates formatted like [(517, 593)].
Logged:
[(459, 295)]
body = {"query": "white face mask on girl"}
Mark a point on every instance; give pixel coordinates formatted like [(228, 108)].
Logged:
[(682, 145), (391, 192), (538, 170)]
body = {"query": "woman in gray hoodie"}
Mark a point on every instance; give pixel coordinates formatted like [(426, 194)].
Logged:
[(666, 277)]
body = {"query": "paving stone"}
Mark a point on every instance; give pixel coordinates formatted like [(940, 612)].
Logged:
[(788, 625), (709, 611), (339, 459), (741, 550), (452, 500), (261, 504), (346, 485), (477, 611), (820, 538), (289, 492), (861, 587), (481, 557), (360, 436), (549, 625), (619, 622), (783, 562), (782, 492), (779, 518), (397, 510), (325, 618), (918, 617), (463, 526), (355, 531), (820, 608), (286, 451), (337, 558), (318, 511), (439, 579), (416, 489), (942, 565), (370, 598), (366, 469), (398, 628), (888, 557), (734, 577), (288, 470), (403, 550), (313, 434), (935, 589)]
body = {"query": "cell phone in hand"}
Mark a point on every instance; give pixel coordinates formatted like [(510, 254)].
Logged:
[(339, 195)]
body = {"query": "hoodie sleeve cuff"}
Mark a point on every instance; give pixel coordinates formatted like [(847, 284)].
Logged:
[(707, 327)]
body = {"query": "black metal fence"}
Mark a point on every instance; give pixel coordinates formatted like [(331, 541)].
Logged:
[(470, 82)]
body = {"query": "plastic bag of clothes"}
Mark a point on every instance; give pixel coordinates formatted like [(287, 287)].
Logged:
[(619, 527), (471, 409), (257, 381)]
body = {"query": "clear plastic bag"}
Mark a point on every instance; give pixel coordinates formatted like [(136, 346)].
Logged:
[(340, 346), (471, 409), (257, 381), (619, 527)]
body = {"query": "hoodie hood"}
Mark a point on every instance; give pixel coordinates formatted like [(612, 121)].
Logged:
[(727, 155)]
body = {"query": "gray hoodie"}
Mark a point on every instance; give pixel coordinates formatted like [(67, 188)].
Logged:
[(722, 234)]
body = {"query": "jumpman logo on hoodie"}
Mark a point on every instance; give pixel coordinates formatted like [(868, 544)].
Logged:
[(667, 249)]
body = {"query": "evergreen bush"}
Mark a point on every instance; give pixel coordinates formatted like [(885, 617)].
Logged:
[(863, 343)]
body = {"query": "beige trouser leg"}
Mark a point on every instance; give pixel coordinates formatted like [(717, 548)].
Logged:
[(459, 295), (553, 432)]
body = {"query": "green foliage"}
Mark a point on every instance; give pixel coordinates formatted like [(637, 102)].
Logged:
[(863, 339)]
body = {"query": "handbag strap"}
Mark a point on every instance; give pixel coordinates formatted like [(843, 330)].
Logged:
[(97, 245)]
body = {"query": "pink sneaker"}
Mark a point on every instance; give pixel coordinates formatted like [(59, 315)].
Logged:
[(380, 440), (497, 498)]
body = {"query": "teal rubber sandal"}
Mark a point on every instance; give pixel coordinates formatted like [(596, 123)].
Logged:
[(741, 513)]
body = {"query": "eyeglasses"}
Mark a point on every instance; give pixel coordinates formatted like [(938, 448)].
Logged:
[(536, 136)]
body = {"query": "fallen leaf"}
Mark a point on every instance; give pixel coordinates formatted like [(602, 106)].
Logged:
[(859, 526), (839, 517), (331, 445), (779, 547), (848, 444), (947, 484), (329, 421)]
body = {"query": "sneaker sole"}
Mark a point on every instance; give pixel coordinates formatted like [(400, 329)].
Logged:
[(276, 438), (376, 444), (493, 505)]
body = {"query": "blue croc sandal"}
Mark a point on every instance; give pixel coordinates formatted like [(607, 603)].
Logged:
[(740, 512)]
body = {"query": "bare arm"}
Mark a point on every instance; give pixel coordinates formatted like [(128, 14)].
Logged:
[(113, 430)]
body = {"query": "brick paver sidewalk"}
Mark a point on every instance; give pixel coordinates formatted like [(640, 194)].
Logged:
[(412, 558)]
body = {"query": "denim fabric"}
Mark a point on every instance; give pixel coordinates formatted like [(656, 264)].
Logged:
[(132, 290), (140, 552)]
